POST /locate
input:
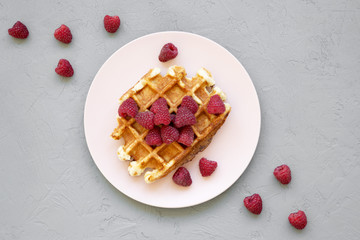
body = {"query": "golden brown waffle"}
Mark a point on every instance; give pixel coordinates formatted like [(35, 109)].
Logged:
[(163, 159)]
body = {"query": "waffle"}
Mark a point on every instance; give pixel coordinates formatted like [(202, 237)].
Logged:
[(161, 160)]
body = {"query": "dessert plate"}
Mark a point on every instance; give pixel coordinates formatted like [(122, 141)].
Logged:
[(232, 147)]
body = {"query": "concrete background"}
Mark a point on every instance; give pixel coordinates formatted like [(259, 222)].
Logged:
[(304, 59)]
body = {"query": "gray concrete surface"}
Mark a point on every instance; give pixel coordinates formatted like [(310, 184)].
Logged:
[(304, 59)]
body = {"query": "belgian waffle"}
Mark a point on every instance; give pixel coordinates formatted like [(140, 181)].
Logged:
[(161, 160)]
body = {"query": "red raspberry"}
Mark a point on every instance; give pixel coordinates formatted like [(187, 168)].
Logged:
[(168, 52), (283, 174), (64, 68), (153, 138), (111, 23), (159, 104), (216, 105), (184, 117), (162, 117), (19, 30), (190, 103), (169, 134), (253, 203), (182, 177), (186, 136), (63, 34), (298, 219), (207, 167), (128, 108), (172, 116), (145, 119)]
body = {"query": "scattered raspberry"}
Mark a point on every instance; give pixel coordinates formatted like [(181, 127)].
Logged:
[(168, 52), (184, 117), (169, 134), (159, 104), (111, 23), (207, 167), (298, 219), (63, 34), (162, 117), (253, 203), (186, 136), (153, 138), (190, 103), (283, 174), (128, 108), (145, 119), (182, 177), (216, 105), (172, 116), (64, 68), (19, 30)]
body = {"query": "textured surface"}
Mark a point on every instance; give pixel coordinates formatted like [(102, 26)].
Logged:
[(304, 60)]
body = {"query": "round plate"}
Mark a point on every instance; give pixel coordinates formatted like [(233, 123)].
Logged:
[(232, 147)]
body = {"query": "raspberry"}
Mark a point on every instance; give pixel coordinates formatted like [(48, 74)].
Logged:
[(207, 167), (186, 136), (153, 138), (184, 117), (216, 105), (169, 134), (182, 177), (162, 117), (283, 174), (63, 34), (253, 203), (145, 119), (298, 219), (19, 30), (190, 103), (128, 108), (159, 104), (172, 116), (111, 23), (64, 68), (168, 52)]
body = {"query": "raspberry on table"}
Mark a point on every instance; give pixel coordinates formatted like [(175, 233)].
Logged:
[(158, 105), (207, 167), (283, 174), (19, 30), (64, 68), (184, 117), (169, 134), (253, 203), (298, 220), (111, 23), (145, 119), (63, 34), (162, 116), (182, 177), (216, 105), (190, 103), (153, 138), (128, 108), (168, 52), (186, 136)]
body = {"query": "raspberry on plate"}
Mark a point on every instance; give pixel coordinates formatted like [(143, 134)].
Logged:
[(64, 68), (216, 105), (253, 203), (111, 23), (207, 167), (283, 174), (63, 34), (128, 108), (182, 177), (169, 134), (298, 220), (186, 136), (145, 119), (184, 117), (168, 52), (153, 138), (19, 30), (190, 103)]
